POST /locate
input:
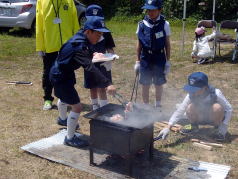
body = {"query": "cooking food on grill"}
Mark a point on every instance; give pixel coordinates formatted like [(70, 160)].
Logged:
[(117, 117)]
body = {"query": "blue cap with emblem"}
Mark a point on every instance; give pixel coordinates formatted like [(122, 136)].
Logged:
[(95, 23), (94, 10), (196, 81), (152, 4)]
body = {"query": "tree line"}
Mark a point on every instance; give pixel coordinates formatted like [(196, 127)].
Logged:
[(199, 9)]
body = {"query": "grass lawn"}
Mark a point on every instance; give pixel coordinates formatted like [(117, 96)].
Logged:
[(23, 120)]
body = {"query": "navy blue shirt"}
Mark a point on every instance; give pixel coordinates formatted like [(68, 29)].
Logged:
[(152, 39), (75, 53)]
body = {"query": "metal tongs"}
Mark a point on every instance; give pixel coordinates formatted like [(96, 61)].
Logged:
[(120, 99)]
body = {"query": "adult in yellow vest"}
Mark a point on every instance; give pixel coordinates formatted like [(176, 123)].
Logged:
[(56, 22)]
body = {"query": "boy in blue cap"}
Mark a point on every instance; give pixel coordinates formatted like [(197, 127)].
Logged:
[(153, 50), (76, 53), (105, 45), (203, 105)]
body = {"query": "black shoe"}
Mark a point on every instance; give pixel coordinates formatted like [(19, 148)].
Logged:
[(219, 137), (188, 129), (202, 60), (62, 122), (75, 142)]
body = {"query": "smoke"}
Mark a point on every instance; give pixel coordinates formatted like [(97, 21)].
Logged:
[(142, 115)]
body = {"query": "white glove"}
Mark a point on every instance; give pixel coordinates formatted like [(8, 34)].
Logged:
[(41, 53), (164, 133), (167, 67), (222, 129), (107, 65), (137, 67)]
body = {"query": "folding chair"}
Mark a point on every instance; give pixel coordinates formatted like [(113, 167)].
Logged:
[(228, 24), (210, 24)]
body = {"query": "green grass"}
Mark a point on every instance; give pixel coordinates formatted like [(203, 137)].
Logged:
[(23, 121)]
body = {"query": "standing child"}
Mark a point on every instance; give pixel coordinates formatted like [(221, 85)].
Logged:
[(76, 53), (153, 51), (105, 45)]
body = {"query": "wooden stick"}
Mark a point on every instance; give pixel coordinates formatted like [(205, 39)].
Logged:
[(207, 147), (163, 125), (207, 143)]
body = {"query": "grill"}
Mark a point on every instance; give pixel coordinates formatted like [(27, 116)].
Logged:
[(125, 137)]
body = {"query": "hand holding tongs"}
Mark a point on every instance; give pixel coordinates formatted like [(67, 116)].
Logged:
[(120, 99)]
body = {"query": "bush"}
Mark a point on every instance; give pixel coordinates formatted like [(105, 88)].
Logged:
[(225, 9)]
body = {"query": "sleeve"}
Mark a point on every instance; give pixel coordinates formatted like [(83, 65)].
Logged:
[(109, 42), (212, 36), (75, 19), (195, 49), (167, 28), (83, 58), (226, 105), (178, 114), (39, 27), (137, 30)]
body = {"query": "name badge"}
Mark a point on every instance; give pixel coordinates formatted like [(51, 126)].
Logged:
[(159, 35), (57, 20)]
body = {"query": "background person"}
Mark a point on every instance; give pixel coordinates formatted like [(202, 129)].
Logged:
[(153, 51), (203, 105), (105, 45), (201, 48), (74, 54), (56, 22)]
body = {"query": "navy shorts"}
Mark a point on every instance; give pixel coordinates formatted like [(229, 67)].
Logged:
[(66, 92), (153, 74), (89, 79)]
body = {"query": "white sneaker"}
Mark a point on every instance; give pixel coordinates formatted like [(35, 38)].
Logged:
[(47, 105)]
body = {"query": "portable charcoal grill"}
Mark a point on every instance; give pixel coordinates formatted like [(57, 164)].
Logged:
[(118, 137)]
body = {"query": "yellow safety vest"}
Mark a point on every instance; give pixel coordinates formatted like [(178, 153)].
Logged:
[(56, 22)]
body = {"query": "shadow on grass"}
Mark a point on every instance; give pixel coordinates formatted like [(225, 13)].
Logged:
[(85, 107), (224, 58), (18, 32)]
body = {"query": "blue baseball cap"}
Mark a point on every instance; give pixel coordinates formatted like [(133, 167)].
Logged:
[(95, 23), (152, 4), (196, 81), (94, 10)]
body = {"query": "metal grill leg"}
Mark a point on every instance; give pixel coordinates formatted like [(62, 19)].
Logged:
[(151, 150), (129, 165), (91, 156)]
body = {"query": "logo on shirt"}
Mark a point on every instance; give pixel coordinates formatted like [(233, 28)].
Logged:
[(159, 34), (95, 12), (66, 7)]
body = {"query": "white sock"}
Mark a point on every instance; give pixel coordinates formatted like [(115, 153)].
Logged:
[(72, 123), (62, 108), (102, 102), (157, 104), (95, 103)]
